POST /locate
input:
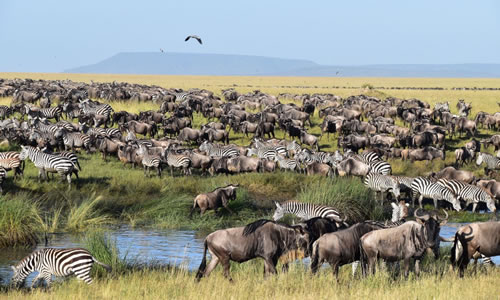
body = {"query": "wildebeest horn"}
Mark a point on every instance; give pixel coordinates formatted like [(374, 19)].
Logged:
[(425, 217), (445, 220)]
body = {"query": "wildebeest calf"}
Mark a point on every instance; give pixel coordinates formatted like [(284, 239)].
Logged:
[(217, 198)]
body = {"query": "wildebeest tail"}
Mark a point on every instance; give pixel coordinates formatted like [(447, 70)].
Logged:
[(362, 259), (203, 265)]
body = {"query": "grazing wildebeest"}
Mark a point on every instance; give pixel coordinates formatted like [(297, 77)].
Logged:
[(452, 173), (219, 197), (189, 134), (341, 247), (474, 240), (351, 166), (309, 139), (263, 238), (407, 241)]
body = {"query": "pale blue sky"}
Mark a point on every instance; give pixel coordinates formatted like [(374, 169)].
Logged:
[(52, 35)]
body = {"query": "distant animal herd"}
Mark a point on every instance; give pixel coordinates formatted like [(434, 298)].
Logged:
[(52, 120)]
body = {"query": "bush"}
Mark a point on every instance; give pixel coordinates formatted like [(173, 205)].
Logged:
[(20, 222)]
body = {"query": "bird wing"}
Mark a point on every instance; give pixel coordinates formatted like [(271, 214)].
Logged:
[(199, 41), (187, 39)]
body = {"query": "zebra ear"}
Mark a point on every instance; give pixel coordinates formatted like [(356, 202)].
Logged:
[(277, 204), (22, 147), (13, 268), (394, 205)]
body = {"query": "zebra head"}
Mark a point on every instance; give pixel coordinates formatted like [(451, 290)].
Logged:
[(279, 212), (479, 159), (204, 146), (24, 153)]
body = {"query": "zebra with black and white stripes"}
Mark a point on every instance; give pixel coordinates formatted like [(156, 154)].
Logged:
[(102, 109), (404, 184), (149, 160), (492, 163), (54, 112), (213, 150), (381, 184), (426, 188), (178, 161), (57, 262), (381, 167), (470, 194), (267, 152), (287, 164), (10, 161), (48, 163), (307, 211), (180, 96), (3, 175), (74, 140)]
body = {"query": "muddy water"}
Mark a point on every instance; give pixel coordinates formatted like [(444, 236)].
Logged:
[(178, 247)]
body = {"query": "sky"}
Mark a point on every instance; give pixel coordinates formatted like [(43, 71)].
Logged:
[(53, 35)]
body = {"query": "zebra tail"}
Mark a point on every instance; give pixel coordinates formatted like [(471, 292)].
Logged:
[(105, 266), (203, 265)]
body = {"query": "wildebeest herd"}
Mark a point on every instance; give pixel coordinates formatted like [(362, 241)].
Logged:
[(51, 120)]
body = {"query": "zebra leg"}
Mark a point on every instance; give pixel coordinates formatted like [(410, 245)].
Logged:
[(474, 205), (435, 202), (420, 200), (354, 266), (37, 278), (47, 277)]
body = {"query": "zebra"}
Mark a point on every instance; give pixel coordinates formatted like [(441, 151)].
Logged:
[(177, 161), (51, 113), (382, 183), (3, 175), (57, 262), (180, 96), (307, 211), (492, 163), (102, 109), (268, 152), (404, 184), (69, 155), (426, 188), (45, 126), (76, 139), (48, 163), (293, 148), (149, 161), (287, 164), (12, 163), (470, 194), (367, 157), (307, 157), (213, 150), (380, 167), (5, 111)]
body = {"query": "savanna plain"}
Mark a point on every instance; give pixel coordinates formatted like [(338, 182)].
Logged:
[(110, 194)]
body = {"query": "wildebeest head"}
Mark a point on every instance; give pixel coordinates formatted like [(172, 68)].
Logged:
[(432, 225)]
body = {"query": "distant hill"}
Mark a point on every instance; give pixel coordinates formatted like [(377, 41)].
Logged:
[(224, 64)]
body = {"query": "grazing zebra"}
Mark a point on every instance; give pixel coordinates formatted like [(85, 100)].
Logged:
[(287, 164), (149, 161), (492, 163), (178, 161), (213, 150), (367, 157), (404, 184), (48, 163), (307, 157), (382, 183), (45, 126), (307, 211), (57, 262), (293, 148), (73, 140), (435, 191), (380, 167), (3, 175), (470, 194)]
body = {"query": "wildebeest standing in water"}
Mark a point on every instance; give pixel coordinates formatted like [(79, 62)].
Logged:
[(474, 240), (263, 238), (219, 197)]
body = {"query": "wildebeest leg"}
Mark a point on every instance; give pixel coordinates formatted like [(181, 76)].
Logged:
[(417, 267), (269, 267), (229, 209), (226, 265), (372, 261), (406, 263), (211, 265), (335, 270), (354, 266)]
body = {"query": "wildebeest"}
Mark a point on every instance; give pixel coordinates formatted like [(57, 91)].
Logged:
[(309, 139), (407, 241), (219, 197), (341, 247), (474, 240), (452, 173), (263, 238), (351, 166), (427, 153)]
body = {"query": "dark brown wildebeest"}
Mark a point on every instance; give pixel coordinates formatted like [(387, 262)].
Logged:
[(263, 238), (427, 153), (341, 247), (316, 227), (309, 139), (473, 241), (219, 197), (407, 241), (140, 127)]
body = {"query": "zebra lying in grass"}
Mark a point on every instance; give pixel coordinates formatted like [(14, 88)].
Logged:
[(57, 262)]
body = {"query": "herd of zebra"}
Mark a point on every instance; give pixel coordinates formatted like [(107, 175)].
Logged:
[(51, 120)]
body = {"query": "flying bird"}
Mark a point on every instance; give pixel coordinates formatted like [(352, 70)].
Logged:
[(194, 37), (161, 50)]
